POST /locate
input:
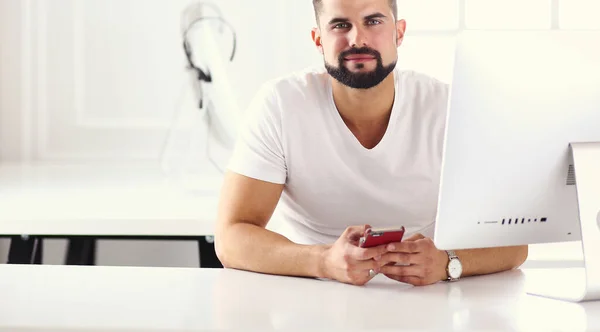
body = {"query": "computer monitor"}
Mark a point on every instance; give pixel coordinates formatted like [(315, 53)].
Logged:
[(521, 159)]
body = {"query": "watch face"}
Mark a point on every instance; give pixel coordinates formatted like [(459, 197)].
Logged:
[(454, 268)]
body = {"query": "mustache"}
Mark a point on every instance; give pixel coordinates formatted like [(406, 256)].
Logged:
[(363, 50)]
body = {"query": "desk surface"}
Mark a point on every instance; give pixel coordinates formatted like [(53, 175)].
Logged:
[(122, 199), (121, 298)]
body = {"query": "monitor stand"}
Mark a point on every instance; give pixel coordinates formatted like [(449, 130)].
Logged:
[(579, 284)]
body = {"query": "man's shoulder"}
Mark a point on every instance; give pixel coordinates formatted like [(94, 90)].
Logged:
[(301, 83), (421, 82), (424, 93), (291, 93)]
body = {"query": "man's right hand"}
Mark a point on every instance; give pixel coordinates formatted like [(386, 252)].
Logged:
[(346, 262)]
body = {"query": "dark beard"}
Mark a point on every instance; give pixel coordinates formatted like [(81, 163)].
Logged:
[(360, 80)]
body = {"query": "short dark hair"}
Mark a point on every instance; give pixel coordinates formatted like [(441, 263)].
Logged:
[(318, 5)]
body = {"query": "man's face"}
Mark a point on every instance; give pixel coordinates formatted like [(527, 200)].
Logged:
[(359, 40)]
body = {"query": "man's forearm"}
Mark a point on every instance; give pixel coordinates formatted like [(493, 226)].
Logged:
[(491, 260), (249, 247)]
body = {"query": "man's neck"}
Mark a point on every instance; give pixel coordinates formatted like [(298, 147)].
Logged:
[(365, 108)]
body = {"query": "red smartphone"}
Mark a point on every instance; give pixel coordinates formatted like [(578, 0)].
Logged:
[(378, 236)]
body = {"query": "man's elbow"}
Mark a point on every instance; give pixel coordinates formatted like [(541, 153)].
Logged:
[(221, 249), (220, 254), (521, 255)]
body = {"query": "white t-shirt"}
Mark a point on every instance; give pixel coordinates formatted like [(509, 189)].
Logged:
[(294, 135)]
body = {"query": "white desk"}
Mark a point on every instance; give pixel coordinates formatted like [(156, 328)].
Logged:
[(105, 200), (106, 298), (113, 199)]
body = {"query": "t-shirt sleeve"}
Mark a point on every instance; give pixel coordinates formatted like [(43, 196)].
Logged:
[(258, 152)]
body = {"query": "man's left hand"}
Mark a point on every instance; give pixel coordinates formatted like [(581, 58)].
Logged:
[(421, 262)]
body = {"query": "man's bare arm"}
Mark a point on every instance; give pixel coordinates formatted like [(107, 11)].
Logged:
[(242, 240), (424, 264), (491, 260)]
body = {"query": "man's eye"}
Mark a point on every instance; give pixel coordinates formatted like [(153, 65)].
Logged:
[(374, 22), (341, 26)]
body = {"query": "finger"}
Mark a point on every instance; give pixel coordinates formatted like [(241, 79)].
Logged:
[(415, 281), (405, 247), (399, 258), (403, 271), (414, 237), (353, 233), (391, 276), (361, 254), (360, 273), (363, 267), (359, 278)]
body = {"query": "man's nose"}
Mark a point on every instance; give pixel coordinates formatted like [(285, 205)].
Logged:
[(357, 37)]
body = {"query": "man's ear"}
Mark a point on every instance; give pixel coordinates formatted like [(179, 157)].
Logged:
[(316, 37), (400, 31)]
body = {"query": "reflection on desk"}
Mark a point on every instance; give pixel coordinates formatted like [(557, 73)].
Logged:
[(79, 297)]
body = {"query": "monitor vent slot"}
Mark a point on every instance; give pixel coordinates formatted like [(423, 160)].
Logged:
[(522, 220), (571, 176)]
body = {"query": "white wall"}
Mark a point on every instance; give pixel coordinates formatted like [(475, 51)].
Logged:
[(10, 78), (101, 79)]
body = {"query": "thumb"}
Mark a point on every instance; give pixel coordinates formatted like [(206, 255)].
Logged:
[(353, 233), (414, 237)]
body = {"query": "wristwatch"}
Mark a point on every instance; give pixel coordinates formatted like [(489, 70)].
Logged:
[(454, 268)]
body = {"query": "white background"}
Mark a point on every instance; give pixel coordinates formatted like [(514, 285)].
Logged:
[(100, 80)]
